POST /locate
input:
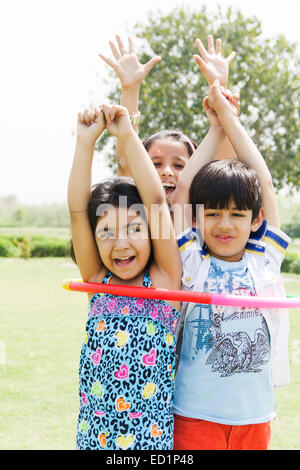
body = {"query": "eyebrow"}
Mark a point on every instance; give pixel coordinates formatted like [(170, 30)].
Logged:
[(219, 209), (178, 157), (140, 221)]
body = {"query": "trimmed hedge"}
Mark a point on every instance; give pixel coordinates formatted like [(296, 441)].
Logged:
[(291, 263), (35, 246)]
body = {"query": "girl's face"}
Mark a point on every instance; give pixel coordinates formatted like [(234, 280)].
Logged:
[(169, 158), (226, 231), (123, 242)]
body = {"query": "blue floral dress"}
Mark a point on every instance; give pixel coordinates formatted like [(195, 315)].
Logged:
[(126, 374)]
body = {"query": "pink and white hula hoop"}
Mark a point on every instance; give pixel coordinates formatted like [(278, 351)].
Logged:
[(182, 296)]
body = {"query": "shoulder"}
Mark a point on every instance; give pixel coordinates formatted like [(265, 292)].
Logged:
[(193, 254), (269, 244)]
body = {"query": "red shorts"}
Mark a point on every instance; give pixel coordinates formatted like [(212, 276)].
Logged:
[(197, 434)]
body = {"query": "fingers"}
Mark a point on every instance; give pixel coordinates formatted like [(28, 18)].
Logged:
[(210, 44), (218, 46), (122, 51), (231, 57), (114, 50), (108, 61), (131, 45), (121, 45), (150, 64), (201, 49), (200, 62), (205, 103), (111, 112), (80, 117)]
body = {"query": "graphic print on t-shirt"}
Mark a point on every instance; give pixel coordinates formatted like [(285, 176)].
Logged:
[(230, 340)]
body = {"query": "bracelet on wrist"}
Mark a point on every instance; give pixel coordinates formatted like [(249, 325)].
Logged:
[(135, 118)]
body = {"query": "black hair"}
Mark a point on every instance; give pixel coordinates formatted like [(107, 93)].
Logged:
[(173, 134), (115, 192), (219, 182)]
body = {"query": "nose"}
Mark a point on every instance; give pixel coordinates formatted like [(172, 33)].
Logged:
[(167, 170), (225, 222), (121, 243)]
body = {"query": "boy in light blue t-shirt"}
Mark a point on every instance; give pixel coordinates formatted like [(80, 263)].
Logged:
[(231, 358)]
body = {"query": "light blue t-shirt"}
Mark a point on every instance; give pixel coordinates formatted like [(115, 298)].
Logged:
[(224, 373)]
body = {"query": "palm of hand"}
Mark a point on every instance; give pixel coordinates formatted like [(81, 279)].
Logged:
[(130, 70), (216, 69)]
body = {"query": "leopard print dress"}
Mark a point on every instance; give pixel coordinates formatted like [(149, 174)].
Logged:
[(126, 374)]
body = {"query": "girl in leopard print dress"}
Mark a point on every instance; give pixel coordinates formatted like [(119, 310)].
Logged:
[(126, 370)]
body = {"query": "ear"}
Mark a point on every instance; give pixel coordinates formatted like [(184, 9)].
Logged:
[(257, 222)]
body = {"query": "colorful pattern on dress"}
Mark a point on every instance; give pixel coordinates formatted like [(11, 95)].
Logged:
[(126, 374)]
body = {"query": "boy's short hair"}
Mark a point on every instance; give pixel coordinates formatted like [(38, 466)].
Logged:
[(219, 182)]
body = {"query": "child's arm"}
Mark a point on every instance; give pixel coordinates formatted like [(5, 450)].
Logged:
[(246, 151), (131, 74), (90, 126), (214, 66), (166, 255), (205, 153)]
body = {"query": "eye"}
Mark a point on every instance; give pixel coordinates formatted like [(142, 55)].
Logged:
[(105, 233), (179, 166), (211, 214), (157, 164), (134, 228), (238, 214)]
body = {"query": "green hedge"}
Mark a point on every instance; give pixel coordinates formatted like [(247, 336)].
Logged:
[(35, 246), (291, 263)]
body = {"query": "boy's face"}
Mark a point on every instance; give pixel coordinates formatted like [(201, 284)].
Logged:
[(226, 231)]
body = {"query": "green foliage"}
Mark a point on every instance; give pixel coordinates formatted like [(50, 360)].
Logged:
[(291, 263), (31, 247), (44, 247), (265, 72), (7, 248), (292, 229)]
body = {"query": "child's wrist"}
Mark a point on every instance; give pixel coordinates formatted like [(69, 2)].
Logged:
[(226, 114), (131, 134), (84, 141), (216, 129), (133, 89)]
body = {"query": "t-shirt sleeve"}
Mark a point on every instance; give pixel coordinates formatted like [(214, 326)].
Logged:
[(276, 245), (190, 251)]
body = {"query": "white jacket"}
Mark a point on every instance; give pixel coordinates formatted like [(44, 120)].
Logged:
[(264, 253)]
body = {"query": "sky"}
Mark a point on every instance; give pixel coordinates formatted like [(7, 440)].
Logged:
[(50, 70)]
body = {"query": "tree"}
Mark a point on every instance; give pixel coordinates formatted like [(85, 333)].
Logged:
[(265, 73)]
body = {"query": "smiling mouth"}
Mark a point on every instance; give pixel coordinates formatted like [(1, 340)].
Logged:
[(124, 260), (224, 238), (169, 187)]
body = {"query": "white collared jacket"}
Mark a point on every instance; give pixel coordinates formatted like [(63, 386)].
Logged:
[(264, 253)]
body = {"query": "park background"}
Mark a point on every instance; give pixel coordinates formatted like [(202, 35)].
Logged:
[(50, 71)]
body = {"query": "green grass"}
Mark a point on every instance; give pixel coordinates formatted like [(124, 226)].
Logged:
[(42, 327)]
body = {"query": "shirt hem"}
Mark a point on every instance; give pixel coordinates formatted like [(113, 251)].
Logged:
[(224, 421)]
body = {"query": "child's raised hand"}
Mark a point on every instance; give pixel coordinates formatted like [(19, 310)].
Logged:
[(220, 100), (117, 120), (211, 63), (127, 66), (90, 125)]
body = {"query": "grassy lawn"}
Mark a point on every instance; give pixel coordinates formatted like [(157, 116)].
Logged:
[(42, 327)]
